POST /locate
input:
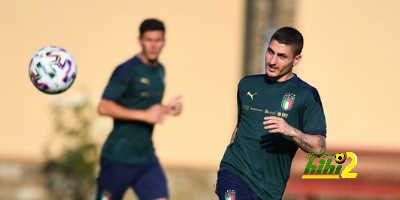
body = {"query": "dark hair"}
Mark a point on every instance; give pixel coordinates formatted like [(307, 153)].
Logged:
[(151, 25), (289, 36)]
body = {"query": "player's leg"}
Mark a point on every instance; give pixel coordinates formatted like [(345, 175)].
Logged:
[(152, 183), (230, 186), (113, 181)]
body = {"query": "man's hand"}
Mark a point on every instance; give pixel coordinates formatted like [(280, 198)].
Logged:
[(278, 125), (154, 114), (174, 107)]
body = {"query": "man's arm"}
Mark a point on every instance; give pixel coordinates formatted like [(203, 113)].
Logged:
[(308, 143), (152, 115), (233, 135)]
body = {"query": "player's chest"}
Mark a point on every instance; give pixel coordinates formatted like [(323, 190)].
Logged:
[(145, 84), (270, 102)]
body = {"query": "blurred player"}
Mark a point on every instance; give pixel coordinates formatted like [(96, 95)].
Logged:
[(133, 99), (277, 114)]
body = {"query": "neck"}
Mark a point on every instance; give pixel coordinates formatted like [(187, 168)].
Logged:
[(147, 61)]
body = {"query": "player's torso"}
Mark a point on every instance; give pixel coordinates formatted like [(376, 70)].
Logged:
[(130, 141), (261, 158), (145, 88), (260, 99), (265, 158)]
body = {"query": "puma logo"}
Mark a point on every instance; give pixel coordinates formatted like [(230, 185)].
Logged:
[(251, 95), (145, 81)]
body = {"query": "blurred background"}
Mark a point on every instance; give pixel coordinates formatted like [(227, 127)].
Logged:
[(49, 144)]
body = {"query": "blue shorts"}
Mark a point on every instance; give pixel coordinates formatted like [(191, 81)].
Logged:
[(230, 186), (147, 180)]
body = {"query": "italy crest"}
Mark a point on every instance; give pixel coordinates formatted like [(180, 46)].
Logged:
[(230, 195), (287, 101)]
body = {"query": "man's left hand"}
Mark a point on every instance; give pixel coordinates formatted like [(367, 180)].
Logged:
[(174, 107), (278, 125)]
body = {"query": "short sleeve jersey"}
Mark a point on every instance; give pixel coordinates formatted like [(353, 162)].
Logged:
[(137, 86), (260, 158)]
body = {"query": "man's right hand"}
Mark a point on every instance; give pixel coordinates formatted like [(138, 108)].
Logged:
[(154, 114)]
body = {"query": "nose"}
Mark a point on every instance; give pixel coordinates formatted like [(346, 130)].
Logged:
[(272, 60)]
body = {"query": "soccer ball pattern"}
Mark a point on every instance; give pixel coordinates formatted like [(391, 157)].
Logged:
[(52, 70), (340, 158)]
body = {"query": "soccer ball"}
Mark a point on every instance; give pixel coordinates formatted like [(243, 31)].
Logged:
[(52, 70), (340, 158)]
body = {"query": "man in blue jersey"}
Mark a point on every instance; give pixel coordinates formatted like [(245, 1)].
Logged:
[(133, 98), (277, 114)]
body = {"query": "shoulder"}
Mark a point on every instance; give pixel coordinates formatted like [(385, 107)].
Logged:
[(161, 67), (125, 68), (307, 89), (252, 79)]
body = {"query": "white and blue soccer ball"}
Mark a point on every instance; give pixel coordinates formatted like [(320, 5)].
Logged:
[(52, 70)]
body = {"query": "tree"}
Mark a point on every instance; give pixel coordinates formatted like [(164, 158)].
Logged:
[(71, 175)]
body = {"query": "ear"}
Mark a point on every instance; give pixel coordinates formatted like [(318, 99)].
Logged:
[(296, 60)]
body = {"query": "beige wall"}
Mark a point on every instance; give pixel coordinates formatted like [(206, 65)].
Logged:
[(203, 58), (351, 55)]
